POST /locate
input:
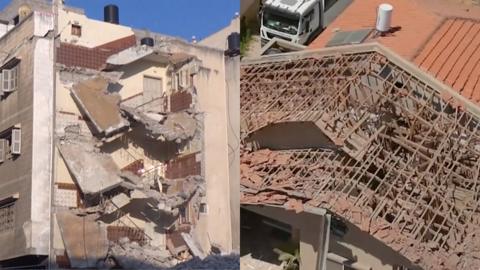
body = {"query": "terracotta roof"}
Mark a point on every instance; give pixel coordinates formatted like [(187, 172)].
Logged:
[(430, 34), (416, 22), (399, 168), (452, 55)]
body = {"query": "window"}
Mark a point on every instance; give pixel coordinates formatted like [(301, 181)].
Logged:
[(7, 213), (3, 150), (152, 88), (16, 141), (9, 79), (76, 30), (203, 208), (184, 214), (329, 4)]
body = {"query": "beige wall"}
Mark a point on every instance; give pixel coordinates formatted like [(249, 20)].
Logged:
[(94, 33), (366, 250)]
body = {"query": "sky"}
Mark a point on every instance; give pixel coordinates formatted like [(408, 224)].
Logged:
[(179, 18)]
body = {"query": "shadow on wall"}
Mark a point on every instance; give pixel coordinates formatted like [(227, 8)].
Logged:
[(290, 135), (360, 246)]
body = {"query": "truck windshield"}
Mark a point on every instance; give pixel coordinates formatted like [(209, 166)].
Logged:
[(280, 22)]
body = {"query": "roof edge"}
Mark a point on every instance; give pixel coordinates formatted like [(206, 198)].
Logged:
[(395, 58)]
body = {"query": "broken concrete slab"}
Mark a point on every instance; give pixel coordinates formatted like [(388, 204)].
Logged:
[(84, 239), (178, 127), (193, 246), (93, 172), (101, 107), (130, 255), (134, 54)]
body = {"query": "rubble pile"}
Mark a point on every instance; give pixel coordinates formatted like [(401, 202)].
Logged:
[(134, 214), (178, 126)]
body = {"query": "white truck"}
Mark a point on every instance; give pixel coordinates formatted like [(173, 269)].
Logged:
[(297, 21)]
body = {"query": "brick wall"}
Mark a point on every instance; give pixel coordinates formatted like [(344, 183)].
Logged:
[(115, 233), (183, 167), (93, 58), (180, 101)]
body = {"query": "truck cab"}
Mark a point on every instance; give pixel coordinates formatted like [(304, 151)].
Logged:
[(297, 21)]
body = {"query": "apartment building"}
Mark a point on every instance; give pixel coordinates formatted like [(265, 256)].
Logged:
[(119, 130)]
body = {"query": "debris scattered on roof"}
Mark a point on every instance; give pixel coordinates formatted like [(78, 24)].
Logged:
[(101, 107), (406, 161)]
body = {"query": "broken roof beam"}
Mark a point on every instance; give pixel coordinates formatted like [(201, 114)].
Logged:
[(93, 172), (100, 107)]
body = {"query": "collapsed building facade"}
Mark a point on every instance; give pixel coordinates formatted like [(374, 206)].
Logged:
[(122, 146), (370, 162)]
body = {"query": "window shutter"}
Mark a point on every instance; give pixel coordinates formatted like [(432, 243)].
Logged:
[(1, 82), (16, 141), (3, 150), (6, 80), (13, 78)]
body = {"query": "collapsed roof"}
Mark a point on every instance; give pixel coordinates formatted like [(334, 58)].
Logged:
[(406, 160)]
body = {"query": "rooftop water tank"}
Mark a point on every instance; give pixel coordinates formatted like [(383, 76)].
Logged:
[(384, 17), (110, 14), (233, 44), (147, 41)]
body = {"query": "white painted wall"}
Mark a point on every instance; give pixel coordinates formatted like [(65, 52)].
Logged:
[(42, 135)]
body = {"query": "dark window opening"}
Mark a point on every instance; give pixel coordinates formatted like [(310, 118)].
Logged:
[(76, 30)]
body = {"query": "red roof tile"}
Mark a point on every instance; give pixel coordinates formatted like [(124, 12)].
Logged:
[(446, 47), (416, 23), (453, 56)]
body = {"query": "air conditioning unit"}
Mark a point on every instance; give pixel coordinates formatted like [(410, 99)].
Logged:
[(16, 141)]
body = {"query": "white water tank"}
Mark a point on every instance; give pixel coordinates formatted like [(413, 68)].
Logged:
[(384, 17)]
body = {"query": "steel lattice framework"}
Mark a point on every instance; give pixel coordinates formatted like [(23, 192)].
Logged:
[(407, 154)]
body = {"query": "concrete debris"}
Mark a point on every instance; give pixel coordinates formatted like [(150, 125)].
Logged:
[(101, 107), (178, 126), (134, 54), (193, 246), (175, 197), (77, 74), (84, 239), (130, 255), (94, 172)]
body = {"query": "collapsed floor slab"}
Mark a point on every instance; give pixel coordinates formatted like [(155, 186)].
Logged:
[(101, 107), (93, 172), (84, 239)]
